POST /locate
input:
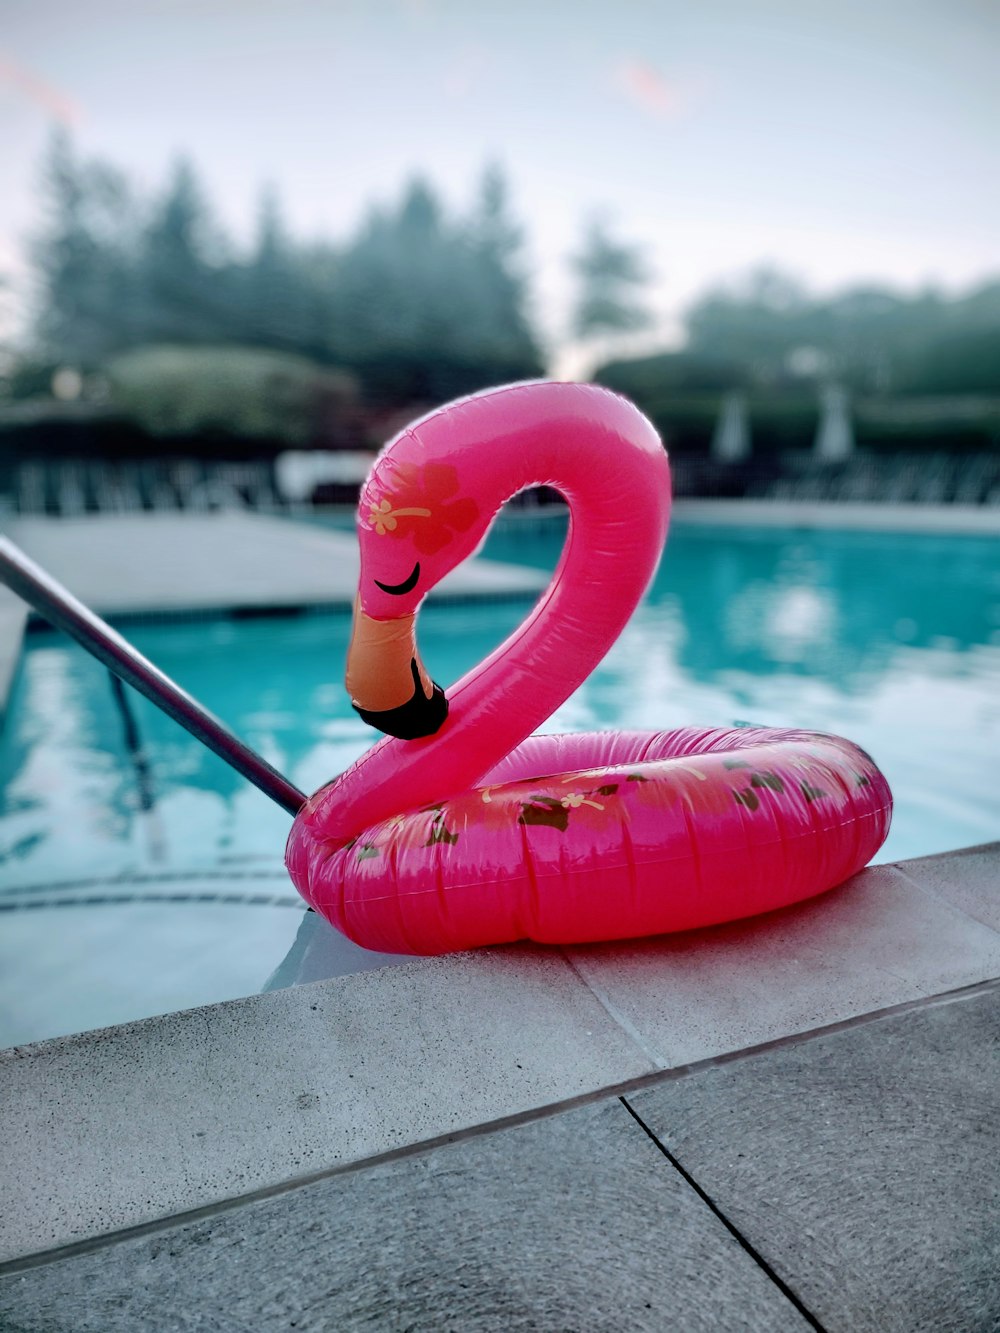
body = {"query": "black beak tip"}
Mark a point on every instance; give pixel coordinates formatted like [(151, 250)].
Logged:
[(418, 718)]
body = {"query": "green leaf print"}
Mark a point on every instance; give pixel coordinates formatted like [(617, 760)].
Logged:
[(747, 798), (440, 834), (545, 810), (811, 793)]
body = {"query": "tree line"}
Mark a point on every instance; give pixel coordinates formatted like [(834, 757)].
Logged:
[(418, 303), (767, 330)]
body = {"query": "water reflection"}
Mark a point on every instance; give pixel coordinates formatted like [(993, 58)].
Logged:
[(892, 640), (833, 606)]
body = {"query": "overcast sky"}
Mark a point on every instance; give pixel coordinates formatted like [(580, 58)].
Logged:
[(843, 140)]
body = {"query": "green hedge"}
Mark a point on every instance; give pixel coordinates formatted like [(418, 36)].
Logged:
[(671, 373), (949, 424), (236, 392), (687, 423), (683, 396)]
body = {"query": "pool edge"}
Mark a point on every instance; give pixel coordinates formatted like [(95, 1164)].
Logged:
[(127, 1126)]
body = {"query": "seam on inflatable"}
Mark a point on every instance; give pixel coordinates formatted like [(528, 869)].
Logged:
[(441, 888), (533, 888), (341, 887), (780, 841), (628, 847), (693, 842), (396, 898), (817, 823), (859, 822)]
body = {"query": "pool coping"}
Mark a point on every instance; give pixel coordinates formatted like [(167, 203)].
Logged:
[(613, 1210), (134, 1125)]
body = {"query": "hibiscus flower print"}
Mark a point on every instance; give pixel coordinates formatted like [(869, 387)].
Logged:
[(423, 504)]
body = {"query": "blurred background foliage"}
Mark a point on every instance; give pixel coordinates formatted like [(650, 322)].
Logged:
[(255, 394), (410, 292), (151, 324)]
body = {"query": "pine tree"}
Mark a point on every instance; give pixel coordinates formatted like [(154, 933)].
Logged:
[(430, 308), (496, 287), (276, 308), (393, 285), (318, 276), (611, 275), (84, 259), (185, 297)]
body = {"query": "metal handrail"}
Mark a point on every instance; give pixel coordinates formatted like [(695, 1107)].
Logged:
[(60, 608)]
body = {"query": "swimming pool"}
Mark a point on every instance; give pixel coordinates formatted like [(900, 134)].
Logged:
[(890, 639)]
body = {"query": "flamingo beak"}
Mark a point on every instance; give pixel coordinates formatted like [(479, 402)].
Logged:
[(386, 680)]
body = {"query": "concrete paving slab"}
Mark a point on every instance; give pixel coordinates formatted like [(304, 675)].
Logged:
[(125, 564), (969, 879), (576, 1221), (116, 1128), (863, 1165), (126, 1125), (878, 940)]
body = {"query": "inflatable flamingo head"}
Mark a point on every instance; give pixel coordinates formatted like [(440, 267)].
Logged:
[(414, 526), (427, 505)]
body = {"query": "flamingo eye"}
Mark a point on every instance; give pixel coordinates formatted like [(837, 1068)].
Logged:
[(408, 584)]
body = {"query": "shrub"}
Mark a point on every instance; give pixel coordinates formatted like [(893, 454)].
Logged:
[(274, 398), (967, 361), (650, 377)]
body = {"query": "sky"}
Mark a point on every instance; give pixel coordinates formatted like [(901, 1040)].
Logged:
[(843, 141)]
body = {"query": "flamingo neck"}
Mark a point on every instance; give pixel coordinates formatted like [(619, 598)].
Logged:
[(611, 468)]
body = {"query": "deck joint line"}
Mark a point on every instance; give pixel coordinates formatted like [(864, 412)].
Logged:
[(618, 1090), (730, 1226)]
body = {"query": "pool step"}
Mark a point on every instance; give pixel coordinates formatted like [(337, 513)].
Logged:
[(122, 564)]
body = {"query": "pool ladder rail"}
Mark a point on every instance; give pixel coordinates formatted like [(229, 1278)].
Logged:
[(60, 608)]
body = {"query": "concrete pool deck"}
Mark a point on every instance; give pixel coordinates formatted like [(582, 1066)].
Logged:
[(789, 1122), (124, 564), (786, 1122)]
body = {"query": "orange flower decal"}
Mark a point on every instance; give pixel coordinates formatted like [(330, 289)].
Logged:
[(383, 518), (577, 798), (421, 505)]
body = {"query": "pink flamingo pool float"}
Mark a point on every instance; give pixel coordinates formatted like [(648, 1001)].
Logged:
[(461, 828)]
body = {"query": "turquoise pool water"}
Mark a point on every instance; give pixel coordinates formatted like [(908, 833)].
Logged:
[(893, 640)]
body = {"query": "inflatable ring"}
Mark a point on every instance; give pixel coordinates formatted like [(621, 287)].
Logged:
[(461, 828)]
